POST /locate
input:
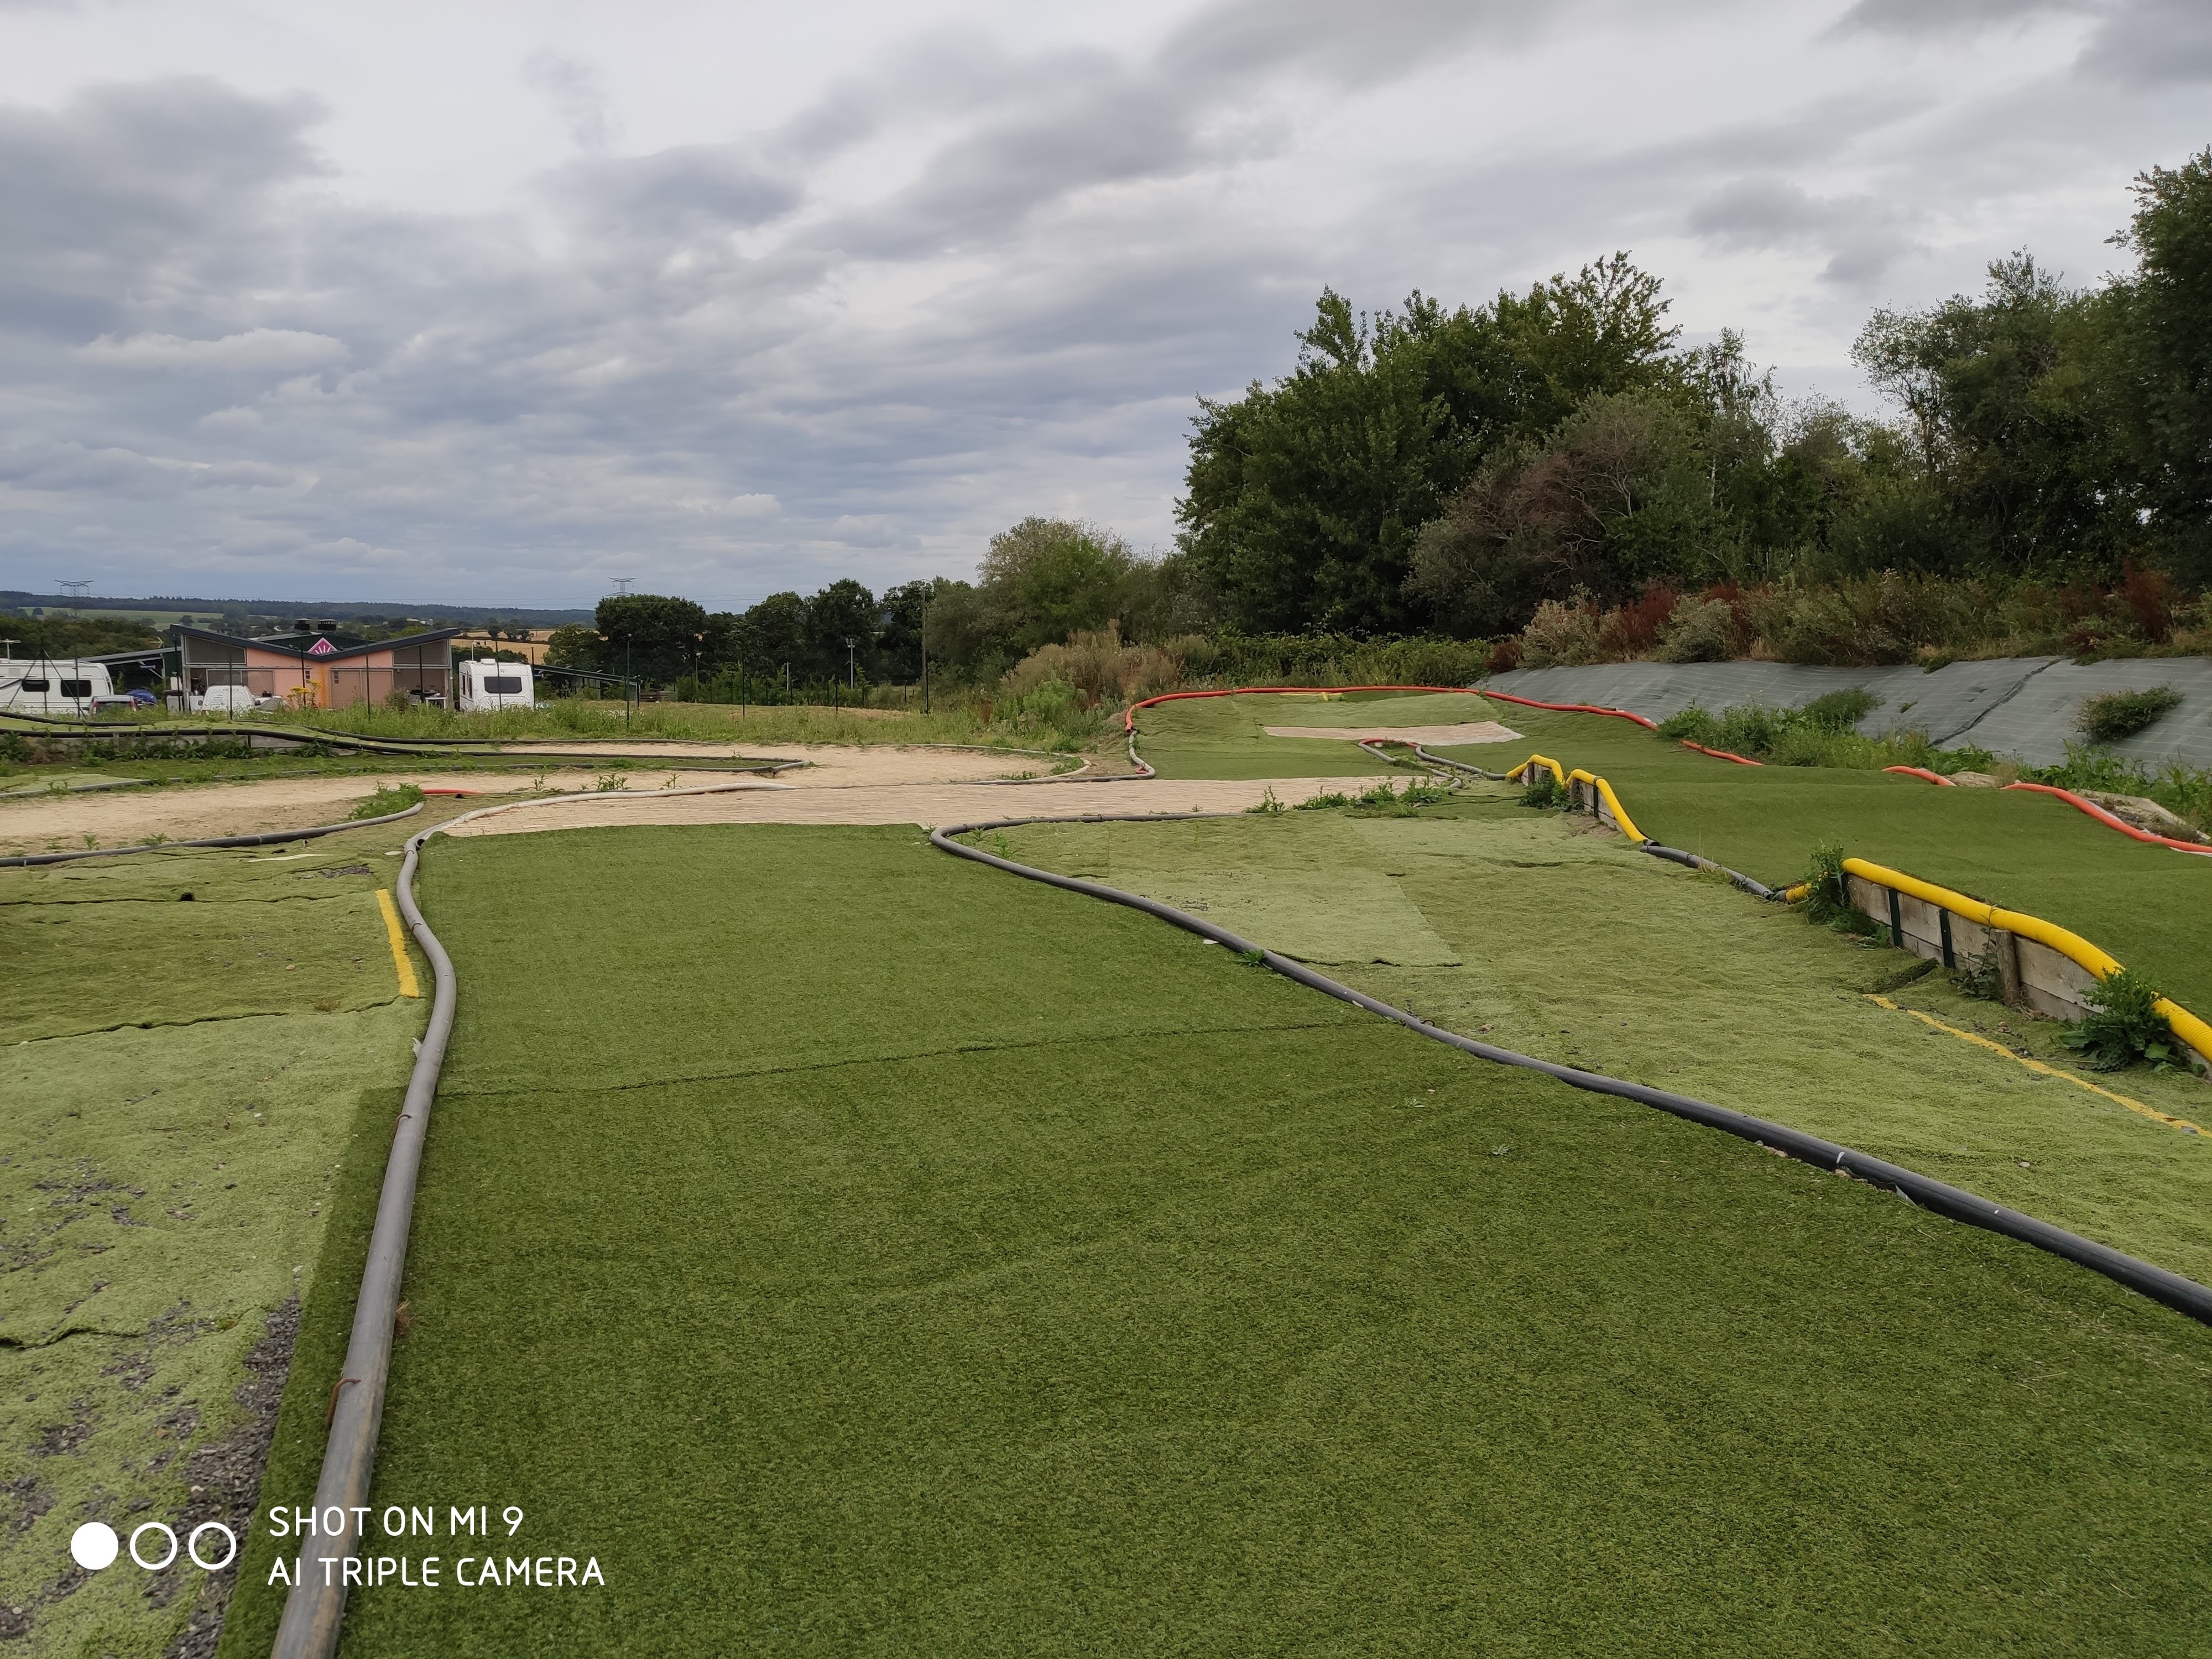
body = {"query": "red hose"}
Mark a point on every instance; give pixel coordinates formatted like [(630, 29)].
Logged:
[(1923, 772), (1585, 708), (2113, 822), (1721, 754)]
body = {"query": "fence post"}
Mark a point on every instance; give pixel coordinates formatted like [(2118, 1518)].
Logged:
[(2009, 985)]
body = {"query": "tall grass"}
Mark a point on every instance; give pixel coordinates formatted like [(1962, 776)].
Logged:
[(1012, 725)]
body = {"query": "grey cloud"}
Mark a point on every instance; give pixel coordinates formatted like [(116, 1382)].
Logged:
[(1927, 18), (576, 96), (1862, 235), (2153, 41), (694, 191), (200, 357), (1354, 45), (255, 350)]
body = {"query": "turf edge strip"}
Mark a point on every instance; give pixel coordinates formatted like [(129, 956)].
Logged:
[(2183, 1295), (313, 1611)]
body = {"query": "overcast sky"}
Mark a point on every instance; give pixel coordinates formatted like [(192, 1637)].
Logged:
[(495, 302)]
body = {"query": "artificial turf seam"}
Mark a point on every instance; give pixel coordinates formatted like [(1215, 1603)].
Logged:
[(1069, 1043), (178, 1024)]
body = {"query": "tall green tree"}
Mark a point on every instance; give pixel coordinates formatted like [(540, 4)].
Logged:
[(1044, 579), (655, 637), (2164, 331), (1303, 499), (2004, 397)]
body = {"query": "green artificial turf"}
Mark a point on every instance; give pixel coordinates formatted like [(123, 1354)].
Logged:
[(1227, 737), (173, 1135), (1522, 928), (851, 1249), (2149, 906), (2145, 905)]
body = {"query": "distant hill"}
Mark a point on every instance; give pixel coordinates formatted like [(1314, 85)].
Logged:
[(238, 612)]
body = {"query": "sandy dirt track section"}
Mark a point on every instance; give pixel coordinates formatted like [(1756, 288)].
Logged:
[(827, 765), (127, 816), (928, 804)]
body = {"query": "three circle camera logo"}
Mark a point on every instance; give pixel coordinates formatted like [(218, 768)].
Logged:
[(94, 1545)]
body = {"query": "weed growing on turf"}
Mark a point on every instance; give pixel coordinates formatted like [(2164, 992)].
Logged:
[(2123, 1025), (388, 798), (1253, 958), (2119, 714), (1542, 791), (1268, 806), (1335, 798), (1381, 800), (607, 782), (1828, 894), (1978, 976)]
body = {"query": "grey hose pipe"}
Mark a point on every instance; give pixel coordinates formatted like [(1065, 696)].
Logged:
[(309, 1629), (1461, 766), (2184, 1294), (1692, 861)]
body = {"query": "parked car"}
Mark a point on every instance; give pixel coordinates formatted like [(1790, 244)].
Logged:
[(229, 700)]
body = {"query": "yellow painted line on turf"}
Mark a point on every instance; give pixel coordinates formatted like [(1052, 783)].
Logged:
[(408, 987), (2039, 1066)]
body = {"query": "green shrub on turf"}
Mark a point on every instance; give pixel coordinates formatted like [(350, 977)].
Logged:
[(1542, 791), (2119, 714), (389, 798), (1839, 711), (2123, 1025), (1693, 725), (1828, 894)]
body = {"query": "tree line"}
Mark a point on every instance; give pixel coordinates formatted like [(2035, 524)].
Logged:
[(1428, 469), (1442, 473)]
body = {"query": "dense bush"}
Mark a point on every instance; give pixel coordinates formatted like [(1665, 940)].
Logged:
[(2119, 714)]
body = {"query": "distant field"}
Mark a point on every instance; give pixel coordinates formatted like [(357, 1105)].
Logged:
[(856, 1250)]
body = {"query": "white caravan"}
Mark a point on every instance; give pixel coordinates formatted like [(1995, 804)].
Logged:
[(43, 685), (493, 685)]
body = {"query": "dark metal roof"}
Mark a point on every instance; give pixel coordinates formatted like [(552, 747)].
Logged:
[(337, 651)]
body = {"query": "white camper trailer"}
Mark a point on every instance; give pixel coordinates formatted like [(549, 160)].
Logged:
[(69, 686), (494, 685)]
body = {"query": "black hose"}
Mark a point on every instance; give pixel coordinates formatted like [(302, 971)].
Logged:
[(1692, 861), (269, 838), (2184, 1294)]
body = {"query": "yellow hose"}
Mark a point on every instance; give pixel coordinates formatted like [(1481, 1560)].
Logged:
[(1520, 772), (1612, 801), (2186, 1026)]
